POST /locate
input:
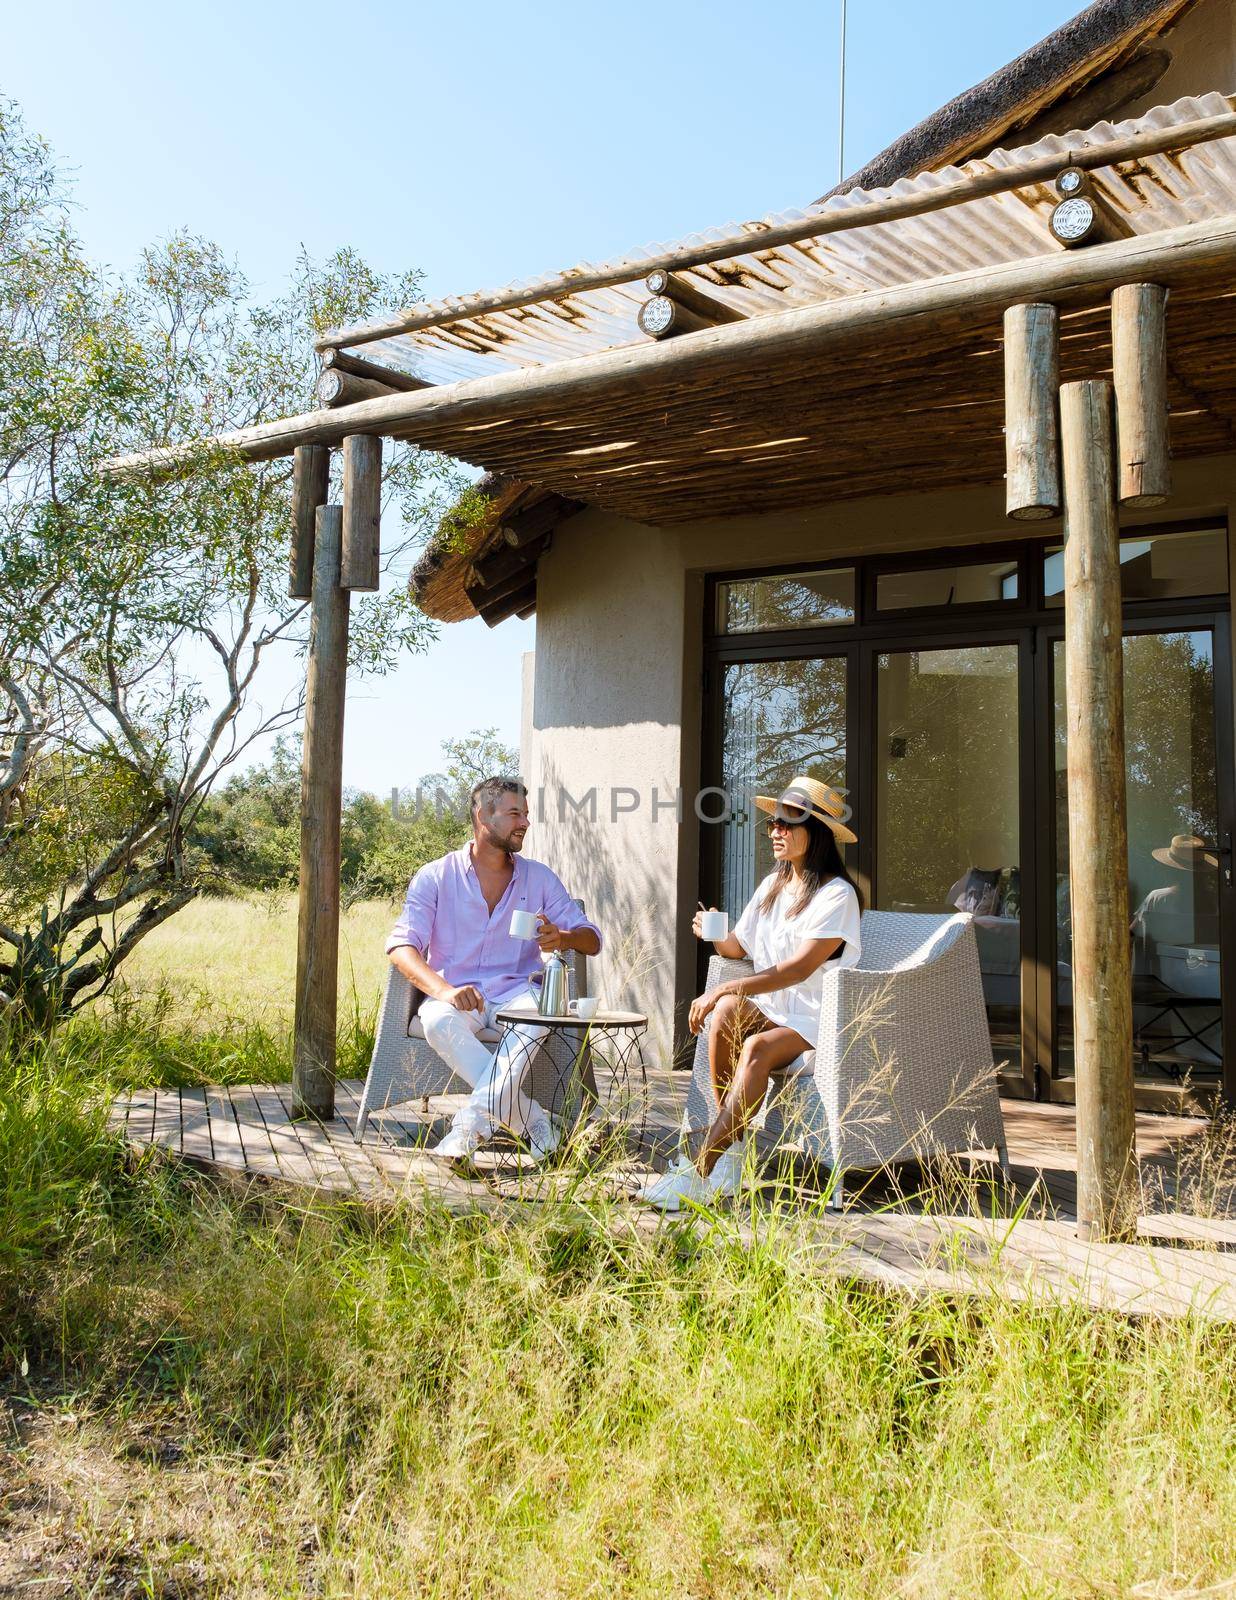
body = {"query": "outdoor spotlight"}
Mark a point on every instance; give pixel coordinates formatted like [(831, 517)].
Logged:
[(1084, 215)]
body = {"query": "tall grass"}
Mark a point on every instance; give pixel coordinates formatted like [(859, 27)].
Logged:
[(557, 1402)]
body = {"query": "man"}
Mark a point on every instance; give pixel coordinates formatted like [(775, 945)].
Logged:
[(454, 942)]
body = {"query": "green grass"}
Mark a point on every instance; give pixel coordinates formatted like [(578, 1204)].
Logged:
[(229, 963), (552, 1403)]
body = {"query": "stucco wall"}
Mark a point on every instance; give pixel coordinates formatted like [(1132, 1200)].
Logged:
[(1202, 46), (617, 701)]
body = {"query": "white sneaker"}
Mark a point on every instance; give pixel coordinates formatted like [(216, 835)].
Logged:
[(726, 1178), (543, 1136), (681, 1185), (460, 1144)]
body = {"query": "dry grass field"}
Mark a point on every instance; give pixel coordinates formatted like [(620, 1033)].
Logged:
[(228, 962)]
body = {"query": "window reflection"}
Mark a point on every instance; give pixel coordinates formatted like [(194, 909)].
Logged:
[(967, 584), (781, 717), (794, 600), (947, 821), (1158, 566), (1173, 858)]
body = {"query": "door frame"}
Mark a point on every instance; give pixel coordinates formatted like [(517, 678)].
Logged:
[(1033, 626)]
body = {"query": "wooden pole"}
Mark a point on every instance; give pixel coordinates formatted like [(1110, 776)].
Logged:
[(1139, 371), (362, 511), (336, 387), (321, 803), (1107, 1179), (816, 224), (310, 486), (392, 377), (1197, 253), (1031, 432)]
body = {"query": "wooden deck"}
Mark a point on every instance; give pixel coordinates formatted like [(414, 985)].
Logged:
[(959, 1233)]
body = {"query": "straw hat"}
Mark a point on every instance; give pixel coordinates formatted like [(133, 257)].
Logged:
[(809, 794), (1186, 851)]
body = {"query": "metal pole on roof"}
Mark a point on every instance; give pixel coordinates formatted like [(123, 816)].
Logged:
[(841, 113)]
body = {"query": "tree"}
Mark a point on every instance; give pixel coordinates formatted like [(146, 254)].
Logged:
[(136, 618)]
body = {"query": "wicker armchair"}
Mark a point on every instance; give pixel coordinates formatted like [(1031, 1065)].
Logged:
[(902, 1069), (405, 1067)]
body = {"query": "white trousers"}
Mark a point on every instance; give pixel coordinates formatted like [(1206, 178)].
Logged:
[(498, 1098)]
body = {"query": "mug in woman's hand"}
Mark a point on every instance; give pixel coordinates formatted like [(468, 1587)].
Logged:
[(714, 925)]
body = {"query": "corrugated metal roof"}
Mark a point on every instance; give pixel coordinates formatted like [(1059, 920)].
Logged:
[(1157, 192)]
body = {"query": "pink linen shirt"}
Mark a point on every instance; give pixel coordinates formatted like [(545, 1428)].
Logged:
[(445, 917)]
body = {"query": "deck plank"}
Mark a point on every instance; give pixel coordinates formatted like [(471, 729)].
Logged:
[(1181, 1263)]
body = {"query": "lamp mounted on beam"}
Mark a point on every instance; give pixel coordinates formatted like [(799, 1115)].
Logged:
[(677, 306), (1083, 215)]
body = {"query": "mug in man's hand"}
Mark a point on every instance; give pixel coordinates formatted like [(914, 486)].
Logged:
[(523, 925), (714, 925)]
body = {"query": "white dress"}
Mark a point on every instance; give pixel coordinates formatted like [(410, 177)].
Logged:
[(773, 936)]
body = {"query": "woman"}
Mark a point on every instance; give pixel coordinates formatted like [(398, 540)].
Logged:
[(803, 916)]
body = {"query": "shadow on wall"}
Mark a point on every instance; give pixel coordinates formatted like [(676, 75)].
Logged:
[(610, 866)]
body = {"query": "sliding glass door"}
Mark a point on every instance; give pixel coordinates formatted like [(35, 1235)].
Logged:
[(932, 691), (1177, 852), (948, 798)]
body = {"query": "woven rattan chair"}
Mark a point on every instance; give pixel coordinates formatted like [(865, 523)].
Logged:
[(902, 1070), (405, 1067)]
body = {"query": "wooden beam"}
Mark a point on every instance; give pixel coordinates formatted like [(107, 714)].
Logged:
[(761, 236), (310, 487), (1031, 431), (509, 605), (1196, 252), (321, 803), (503, 561), (1086, 218), (336, 388), (525, 526), (1139, 372), (691, 296), (1107, 1180), (677, 306), (489, 594), (392, 377), (362, 511)]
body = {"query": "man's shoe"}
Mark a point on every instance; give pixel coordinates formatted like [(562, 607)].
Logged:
[(460, 1144), (681, 1185), (543, 1137)]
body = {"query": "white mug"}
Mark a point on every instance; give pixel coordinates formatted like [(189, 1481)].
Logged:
[(523, 924), (586, 1007), (714, 925)]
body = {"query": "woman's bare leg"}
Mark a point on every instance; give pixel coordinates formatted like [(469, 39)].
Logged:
[(734, 1019), (759, 1057)]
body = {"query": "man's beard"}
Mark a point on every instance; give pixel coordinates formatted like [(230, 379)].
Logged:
[(512, 844)]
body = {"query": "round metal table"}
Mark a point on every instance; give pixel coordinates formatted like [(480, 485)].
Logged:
[(589, 1076)]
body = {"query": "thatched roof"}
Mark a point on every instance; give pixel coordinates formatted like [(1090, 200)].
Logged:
[(1104, 52)]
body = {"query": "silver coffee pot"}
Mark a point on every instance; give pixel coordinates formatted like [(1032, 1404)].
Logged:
[(555, 996)]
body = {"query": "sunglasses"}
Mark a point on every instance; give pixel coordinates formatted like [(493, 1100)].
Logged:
[(783, 824)]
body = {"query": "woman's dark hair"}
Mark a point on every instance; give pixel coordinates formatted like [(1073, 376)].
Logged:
[(820, 865)]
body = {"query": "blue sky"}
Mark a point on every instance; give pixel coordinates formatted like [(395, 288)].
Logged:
[(480, 143)]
